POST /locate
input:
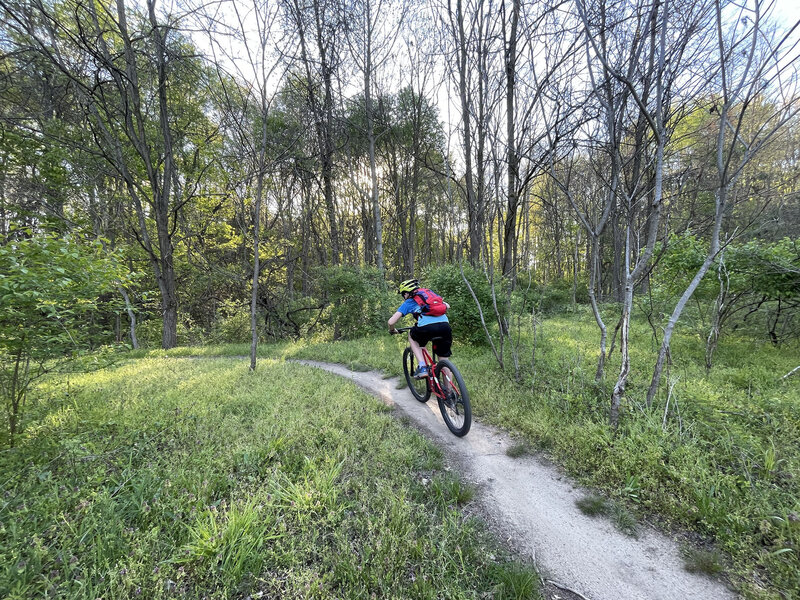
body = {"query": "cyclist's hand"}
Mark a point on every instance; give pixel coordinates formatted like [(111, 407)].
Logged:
[(393, 331)]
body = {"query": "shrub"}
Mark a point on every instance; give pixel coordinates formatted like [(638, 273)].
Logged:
[(50, 292), (149, 332), (359, 301), (550, 297), (232, 324)]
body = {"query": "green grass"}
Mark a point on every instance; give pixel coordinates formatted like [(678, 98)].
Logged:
[(593, 505), (623, 519), (518, 449), (707, 562), (516, 581), (724, 462), (197, 479)]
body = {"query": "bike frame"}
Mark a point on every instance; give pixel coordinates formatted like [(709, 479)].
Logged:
[(432, 381)]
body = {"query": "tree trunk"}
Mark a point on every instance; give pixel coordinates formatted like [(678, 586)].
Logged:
[(510, 234), (622, 379), (473, 216)]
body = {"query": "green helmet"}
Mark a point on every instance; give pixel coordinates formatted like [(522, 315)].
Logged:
[(409, 285)]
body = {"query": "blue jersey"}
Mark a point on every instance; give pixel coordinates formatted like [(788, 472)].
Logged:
[(410, 306)]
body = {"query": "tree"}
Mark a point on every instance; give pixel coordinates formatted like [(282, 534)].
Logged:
[(753, 60), (316, 24), (248, 113), (133, 86), (633, 53), (469, 30), (375, 26)]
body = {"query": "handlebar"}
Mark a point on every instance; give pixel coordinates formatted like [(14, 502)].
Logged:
[(400, 330)]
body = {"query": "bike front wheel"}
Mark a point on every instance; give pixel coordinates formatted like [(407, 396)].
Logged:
[(420, 388), (454, 399)]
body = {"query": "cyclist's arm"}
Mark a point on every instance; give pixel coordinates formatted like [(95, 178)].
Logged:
[(394, 319)]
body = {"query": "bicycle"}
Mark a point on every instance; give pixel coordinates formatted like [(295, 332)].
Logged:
[(444, 380)]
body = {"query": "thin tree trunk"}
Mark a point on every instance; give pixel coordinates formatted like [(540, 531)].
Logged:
[(131, 316), (510, 237)]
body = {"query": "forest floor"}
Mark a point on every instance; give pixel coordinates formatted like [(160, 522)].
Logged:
[(531, 505)]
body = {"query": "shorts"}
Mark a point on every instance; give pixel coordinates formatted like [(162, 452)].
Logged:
[(423, 335)]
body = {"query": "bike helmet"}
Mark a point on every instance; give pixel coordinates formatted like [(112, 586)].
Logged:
[(409, 285)]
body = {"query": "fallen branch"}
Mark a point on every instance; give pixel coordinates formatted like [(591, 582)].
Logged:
[(498, 357), (790, 373), (566, 589)]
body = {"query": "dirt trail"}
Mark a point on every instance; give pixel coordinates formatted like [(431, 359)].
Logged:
[(533, 505)]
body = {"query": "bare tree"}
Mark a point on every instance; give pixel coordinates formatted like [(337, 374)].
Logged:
[(630, 47), (316, 24), (248, 95), (754, 62), (372, 35), (469, 29)]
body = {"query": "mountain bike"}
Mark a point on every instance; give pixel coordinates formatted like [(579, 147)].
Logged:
[(445, 382)]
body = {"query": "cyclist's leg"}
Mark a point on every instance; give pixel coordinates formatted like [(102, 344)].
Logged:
[(416, 349)]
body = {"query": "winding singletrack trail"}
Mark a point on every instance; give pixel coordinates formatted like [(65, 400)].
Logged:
[(531, 504)]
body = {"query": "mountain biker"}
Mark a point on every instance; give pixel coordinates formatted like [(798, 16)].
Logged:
[(426, 328)]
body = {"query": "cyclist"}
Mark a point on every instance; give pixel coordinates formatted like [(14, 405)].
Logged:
[(426, 328)]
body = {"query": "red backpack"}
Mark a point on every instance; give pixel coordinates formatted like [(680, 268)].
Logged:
[(432, 303)]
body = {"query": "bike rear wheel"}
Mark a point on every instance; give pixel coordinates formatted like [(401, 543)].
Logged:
[(420, 388), (455, 406)]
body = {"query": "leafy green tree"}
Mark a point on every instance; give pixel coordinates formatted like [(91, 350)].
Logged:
[(48, 286), (139, 88)]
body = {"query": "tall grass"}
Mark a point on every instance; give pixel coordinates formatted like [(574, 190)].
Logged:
[(194, 478)]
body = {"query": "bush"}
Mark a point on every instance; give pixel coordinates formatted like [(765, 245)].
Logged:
[(232, 324), (149, 332), (549, 298), (359, 300)]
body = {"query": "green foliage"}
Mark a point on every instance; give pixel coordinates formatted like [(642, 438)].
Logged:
[(678, 264), (772, 269), (552, 297), (49, 287), (761, 282), (232, 324), (149, 332), (168, 477), (359, 302)]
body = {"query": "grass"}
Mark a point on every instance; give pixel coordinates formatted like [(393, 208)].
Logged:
[(623, 519), (722, 459), (197, 479), (707, 562), (516, 581), (593, 505), (518, 450)]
